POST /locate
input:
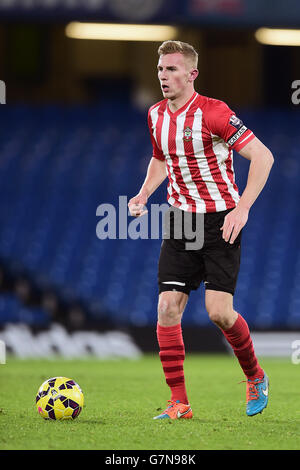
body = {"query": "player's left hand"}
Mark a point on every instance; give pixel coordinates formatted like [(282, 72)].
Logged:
[(234, 221)]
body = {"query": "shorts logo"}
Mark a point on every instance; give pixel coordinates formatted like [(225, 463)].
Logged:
[(187, 134)]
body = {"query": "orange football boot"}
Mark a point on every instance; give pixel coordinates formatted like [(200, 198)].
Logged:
[(176, 410)]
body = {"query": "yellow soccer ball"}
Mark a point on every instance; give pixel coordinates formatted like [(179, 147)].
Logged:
[(59, 398)]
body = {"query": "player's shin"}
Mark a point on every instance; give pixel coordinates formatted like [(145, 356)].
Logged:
[(238, 336), (172, 355)]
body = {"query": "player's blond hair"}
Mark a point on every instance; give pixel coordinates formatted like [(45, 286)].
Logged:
[(171, 47)]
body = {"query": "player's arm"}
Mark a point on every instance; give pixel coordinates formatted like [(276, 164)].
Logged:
[(261, 161), (156, 174)]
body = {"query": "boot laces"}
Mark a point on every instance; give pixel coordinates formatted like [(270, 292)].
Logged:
[(252, 392)]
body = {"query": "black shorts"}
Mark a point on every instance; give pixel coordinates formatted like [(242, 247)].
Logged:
[(216, 263)]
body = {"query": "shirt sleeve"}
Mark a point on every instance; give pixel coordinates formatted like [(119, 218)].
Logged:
[(157, 152), (223, 122)]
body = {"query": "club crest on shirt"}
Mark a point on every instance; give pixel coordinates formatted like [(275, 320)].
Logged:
[(187, 134)]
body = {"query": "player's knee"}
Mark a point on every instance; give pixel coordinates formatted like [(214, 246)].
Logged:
[(220, 315), (169, 312), (216, 316)]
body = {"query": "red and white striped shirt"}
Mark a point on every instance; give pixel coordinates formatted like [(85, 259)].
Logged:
[(197, 142)]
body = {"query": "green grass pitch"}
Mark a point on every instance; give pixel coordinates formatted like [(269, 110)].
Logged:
[(122, 396)]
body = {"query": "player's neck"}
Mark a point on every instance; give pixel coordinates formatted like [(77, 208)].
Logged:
[(179, 102)]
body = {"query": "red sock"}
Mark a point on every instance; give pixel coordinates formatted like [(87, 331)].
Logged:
[(240, 340), (172, 354)]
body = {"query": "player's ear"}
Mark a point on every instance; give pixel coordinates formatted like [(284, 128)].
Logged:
[(193, 75)]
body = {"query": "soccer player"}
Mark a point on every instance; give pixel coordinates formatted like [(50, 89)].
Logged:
[(193, 138)]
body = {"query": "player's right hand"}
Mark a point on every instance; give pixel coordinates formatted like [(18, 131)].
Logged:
[(137, 205)]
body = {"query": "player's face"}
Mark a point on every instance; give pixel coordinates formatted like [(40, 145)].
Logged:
[(174, 74)]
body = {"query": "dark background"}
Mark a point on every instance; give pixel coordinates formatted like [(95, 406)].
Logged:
[(74, 135)]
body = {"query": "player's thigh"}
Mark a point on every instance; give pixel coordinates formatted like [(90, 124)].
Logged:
[(222, 264), (218, 301), (219, 306), (221, 259)]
